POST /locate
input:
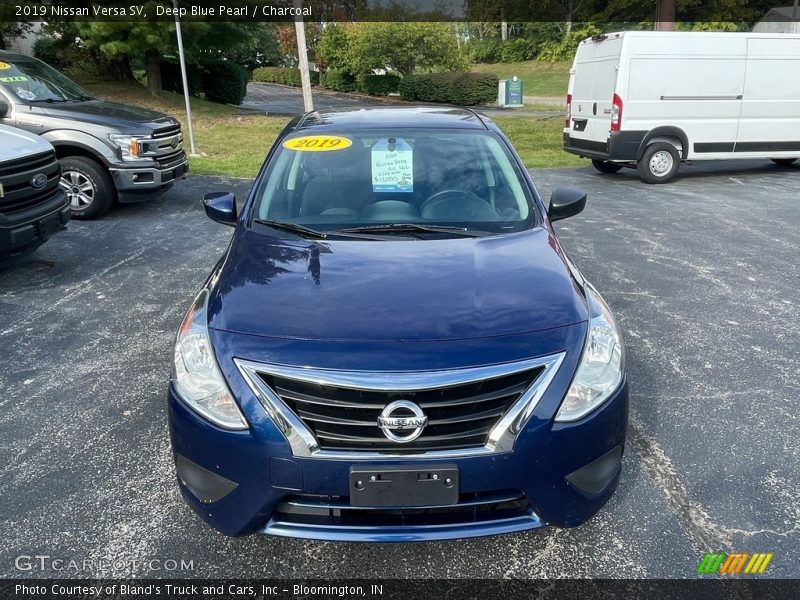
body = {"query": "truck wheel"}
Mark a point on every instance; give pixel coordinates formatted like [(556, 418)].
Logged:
[(88, 187), (784, 162), (605, 166), (659, 163)]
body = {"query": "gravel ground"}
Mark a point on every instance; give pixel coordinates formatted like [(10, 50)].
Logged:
[(701, 273)]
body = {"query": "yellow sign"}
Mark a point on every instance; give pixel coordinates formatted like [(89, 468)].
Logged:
[(318, 143), (4, 65)]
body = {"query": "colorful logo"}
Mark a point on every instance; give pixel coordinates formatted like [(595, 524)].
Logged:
[(734, 563)]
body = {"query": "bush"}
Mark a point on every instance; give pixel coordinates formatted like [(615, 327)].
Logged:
[(485, 51), (378, 85), (339, 80), (565, 49), (518, 50), (463, 89), (284, 76), (172, 81), (224, 82)]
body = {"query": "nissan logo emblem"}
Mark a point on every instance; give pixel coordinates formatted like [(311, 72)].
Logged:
[(402, 415), (39, 181)]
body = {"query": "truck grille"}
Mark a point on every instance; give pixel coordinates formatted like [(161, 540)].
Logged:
[(459, 416), (16, 178)]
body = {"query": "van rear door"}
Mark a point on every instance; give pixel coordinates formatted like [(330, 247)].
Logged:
[(594, 82)]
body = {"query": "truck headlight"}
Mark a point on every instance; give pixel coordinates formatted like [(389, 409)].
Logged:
[(195, 374), (602, 364), (134, 147)]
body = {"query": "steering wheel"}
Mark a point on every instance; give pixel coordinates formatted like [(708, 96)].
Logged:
[(457, 205)]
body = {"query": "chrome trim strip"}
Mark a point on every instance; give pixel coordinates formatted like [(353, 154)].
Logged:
[(304, 444)]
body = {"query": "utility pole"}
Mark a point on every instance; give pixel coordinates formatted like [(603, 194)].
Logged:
[(302, 55), (184, 78), (665, 15)]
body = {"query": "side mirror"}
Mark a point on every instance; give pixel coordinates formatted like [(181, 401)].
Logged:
[(4, 108), (566, 202), (220, 207)]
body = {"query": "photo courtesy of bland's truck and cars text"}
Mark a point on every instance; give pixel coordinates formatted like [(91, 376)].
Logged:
[(366, 299)]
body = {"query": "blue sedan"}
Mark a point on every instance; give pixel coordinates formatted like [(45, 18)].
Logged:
[(395, 346)]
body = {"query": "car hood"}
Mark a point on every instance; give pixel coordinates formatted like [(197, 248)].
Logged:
[(123, 117), (398, 290), (15, 143)]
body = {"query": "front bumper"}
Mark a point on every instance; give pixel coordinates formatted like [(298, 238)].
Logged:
[(242, 482), (25, 230), (134, 183)]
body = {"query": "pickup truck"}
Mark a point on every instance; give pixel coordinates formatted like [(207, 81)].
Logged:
[(108, 151), (32, 204)]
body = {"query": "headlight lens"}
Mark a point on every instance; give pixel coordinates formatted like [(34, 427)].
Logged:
[(134, 147), (196, 376), (601, 366)]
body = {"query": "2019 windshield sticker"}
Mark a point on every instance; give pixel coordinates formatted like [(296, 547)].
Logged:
[(14, 79), (392, 166), (318, 143)]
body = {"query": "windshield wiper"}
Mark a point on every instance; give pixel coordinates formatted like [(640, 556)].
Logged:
[(292, 228), (415, 228), (49, 100)]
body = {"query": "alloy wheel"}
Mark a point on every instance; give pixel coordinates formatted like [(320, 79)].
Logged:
[(79, 189)]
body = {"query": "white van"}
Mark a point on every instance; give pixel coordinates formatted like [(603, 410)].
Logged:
[(650, 100)]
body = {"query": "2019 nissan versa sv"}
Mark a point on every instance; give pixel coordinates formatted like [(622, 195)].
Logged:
[(395, 346)]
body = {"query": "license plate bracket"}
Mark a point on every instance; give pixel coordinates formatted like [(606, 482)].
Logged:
[(404, 486)]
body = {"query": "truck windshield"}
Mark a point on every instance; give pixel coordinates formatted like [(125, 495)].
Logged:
[(32, 80), (395, 181)]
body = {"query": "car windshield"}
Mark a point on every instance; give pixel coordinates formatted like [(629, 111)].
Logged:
[(34, 81), (396, 181)]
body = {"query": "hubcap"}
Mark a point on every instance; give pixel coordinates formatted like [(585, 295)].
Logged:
[(78, 188), (661, 163)]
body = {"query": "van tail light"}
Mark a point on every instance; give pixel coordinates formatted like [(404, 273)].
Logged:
[(569, 111), (616, 113)]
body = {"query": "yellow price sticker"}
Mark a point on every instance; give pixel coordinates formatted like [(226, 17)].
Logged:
[(4, 65), (318, 143)]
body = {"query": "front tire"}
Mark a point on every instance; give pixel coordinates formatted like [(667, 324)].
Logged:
[(659, 163), (88, 187), (605, 166), (784, 162)]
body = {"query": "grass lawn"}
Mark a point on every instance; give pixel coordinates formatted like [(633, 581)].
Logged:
[(234, 145), (539, 78)]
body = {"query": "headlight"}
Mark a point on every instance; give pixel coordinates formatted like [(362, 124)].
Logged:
[(134, 147), (601, 366), (195, 374)]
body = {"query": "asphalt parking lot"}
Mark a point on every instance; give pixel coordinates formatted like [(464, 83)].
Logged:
[(702, 275)]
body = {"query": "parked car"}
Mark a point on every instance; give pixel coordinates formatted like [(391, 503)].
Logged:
[(107, 150), (395, 346), (32, 205), (650, 100)]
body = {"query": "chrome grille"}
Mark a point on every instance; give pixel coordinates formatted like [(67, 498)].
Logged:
[(334, 413), (347, 419)]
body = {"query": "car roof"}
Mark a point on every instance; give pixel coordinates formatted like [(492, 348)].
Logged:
[(417, 117)]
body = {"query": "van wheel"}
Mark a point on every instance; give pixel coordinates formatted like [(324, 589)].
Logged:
[(659, 163), (605, 166), (784, 162), (88, 187)]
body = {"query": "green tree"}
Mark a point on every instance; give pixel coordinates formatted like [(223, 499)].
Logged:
[(401, 47), (333, 48)]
